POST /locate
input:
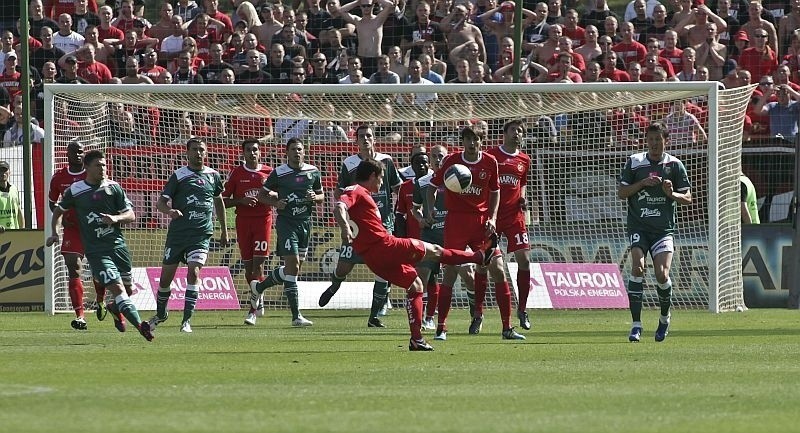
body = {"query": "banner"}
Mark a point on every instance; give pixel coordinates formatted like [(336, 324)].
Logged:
[(217, 290), (22, 270), (574, 285)]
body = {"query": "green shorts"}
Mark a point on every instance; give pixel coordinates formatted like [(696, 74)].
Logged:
[(293, 237), (348, 255), (185, 250), (111, 267)]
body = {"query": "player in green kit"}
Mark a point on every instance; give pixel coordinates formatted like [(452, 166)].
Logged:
[(188, 198), (654, 183), (365, 139), (101, 207), (294, 189)]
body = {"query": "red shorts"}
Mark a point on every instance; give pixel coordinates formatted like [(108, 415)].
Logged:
[(462, 230), (393, 259), (515, 232), (252, 236), (71, 242)]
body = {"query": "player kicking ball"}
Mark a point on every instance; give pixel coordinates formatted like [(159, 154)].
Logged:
[(390, 257)]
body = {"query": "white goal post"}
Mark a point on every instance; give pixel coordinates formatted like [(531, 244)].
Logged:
[(578, 136)]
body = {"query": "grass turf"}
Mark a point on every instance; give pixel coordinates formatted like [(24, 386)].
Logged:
[(734, 372)]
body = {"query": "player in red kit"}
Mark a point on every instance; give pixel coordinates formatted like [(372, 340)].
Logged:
[(390, 257), (71, 244), (253, 219), (513, 167), (471, 218)]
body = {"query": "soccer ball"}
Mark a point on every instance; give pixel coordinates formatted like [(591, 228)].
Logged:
[(457, 178)]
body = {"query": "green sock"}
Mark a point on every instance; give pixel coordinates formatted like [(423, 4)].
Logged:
[(635, 295), (665, 297), (290, 289), (128, 310), (275, 277), (379, 293), (161, 302), (189, 301)]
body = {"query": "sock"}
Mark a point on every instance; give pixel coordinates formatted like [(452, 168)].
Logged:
[(433, 298), (189, 301), (503, 294), (445, 299), (126, 307), (665, 297), (100, 291), (480, 293), (75, 288), (290, 290), (635, 295), (336, 282), (524, 287), (471, 301), (161, 302), (276, 276), (380, 290), (414, 310), (459, 257)]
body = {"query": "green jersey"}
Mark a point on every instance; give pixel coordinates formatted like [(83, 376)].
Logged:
[(192, 192), (435, 232), (650, 210), (293, 186), (90, 202), (9, 208), (383, 198)]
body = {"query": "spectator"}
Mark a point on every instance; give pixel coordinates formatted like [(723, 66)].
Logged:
[(671, 52), (537, 32), (781, 76), (426, 62), (205, 33), (658, 28), (165, 26), (222, 23), (710, 53), (294, 124), (565, 46), (757, 25), (316, 18), (369, 29), (597, 16), (150, 65), (211, 71), (172, 43), (740, 42), (420, 100), (641, 22), (184, 73), (684, 129), (11, 217), (462, 72), (591, 49), (549, 48), (185, 131), (396, 65), (6, 46), (187, 9), (70, 72), (666, 64), (384, 75), (459, 32), (759, 59), (190, 45), (422, 30), (294, 43), (126, 18), (628, 49), (562, 70), (732, 22), (634, 72), (132, 75), (66, 39), (14, 135), (554, 13), (682, 10), (649, 11), (438, 66), (108, 33), (611, 29), (782, 114), (320, 74), (694, 28), (573, 31), (354, 73), (787, 26), (10, 78), (47, 52), (278, 66), (37, 19), (592, 73), (104, 52), (246, 12), (252, 73)]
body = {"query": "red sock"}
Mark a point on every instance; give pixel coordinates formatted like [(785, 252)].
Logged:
[(445, 299), (459, 257), (100, 291), (75, 288), (433, 299), (503, 293), (524, 287), (414, 310), (480, 293)]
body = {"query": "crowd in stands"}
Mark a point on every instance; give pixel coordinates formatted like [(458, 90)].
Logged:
[(734, 42)]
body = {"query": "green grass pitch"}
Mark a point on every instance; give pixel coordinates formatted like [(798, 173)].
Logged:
[(734, 372)]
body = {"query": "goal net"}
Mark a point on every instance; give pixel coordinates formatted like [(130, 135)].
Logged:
[(578, 138)]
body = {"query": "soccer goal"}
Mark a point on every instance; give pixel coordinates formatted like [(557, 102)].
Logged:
[(578, 137)]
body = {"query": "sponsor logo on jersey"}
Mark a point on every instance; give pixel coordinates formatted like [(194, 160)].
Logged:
[(194, 215), (482, 175), (473, 190), (509, 179), (650, 213)]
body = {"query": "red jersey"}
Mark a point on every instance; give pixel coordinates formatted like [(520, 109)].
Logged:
[(364, 215), (54, 8), (96, 73), (11, 82), (153, 73), (474, 199), (633, 52), (616, 75), (675, 57), (245, 182), (404, 205), (578, 36), (110, 33), (512, 171), (758, 63), (63, 179)]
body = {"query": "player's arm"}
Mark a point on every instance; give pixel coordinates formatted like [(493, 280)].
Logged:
[(624, 191), (269, 198), (126, 216), (494, 203), (340, 214), (345, 12), (163, 206), (219, 208), (55, 225)]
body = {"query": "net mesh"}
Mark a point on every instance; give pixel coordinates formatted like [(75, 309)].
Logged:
[(577, 139)]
